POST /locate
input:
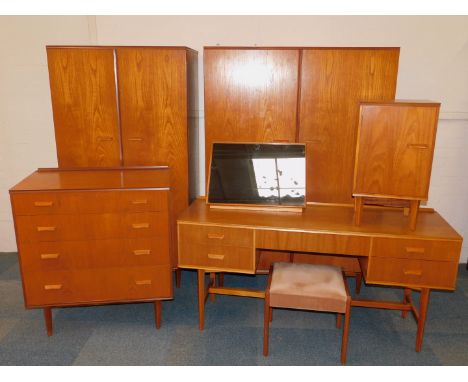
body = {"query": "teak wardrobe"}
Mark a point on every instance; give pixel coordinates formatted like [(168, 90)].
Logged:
[(298, 94)]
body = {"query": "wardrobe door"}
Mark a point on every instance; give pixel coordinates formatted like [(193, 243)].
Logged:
[(333, 82), (250, 95), (84, 102)]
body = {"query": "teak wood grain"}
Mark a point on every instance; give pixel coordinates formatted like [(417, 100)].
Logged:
[(333, 82), (395, 149), (83, 90)]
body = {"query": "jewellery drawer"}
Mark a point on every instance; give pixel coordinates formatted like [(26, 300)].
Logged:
[(207, 234), (35, 203), (416, 249), (313, 242), (217, 257), (57, 288), (406, 272), (69, 255)]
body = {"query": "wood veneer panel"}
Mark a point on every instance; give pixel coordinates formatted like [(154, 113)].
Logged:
[(250, 96), (395, 149), (333, 82), (83, 90)]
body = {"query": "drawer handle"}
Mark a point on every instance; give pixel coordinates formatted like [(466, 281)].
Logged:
[(53, 287), (139, 252), (412, 272), (43, 204), (314, 141), (105, 139), (140, 225), (136, 139), (417, 146), (47, 256), (215, 236), (143, 282), (415, 250), (45, 229), (140, 201), (215, 257)]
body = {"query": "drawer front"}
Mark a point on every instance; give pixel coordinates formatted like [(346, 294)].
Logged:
[(416, 249), (69, 255), (94, 202), (406, 272), (41, 228), (216, 257), (96, 286), (313, 242), (36, 203), (214, 235)]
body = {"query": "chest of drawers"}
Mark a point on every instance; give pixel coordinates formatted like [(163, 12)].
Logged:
[(94, 237)]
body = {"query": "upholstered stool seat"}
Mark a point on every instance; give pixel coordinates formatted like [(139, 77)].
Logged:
[(309, 287)]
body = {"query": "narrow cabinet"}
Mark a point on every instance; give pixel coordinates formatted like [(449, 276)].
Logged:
[(84, 103)]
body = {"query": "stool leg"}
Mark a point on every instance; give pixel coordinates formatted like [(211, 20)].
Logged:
[(271, 314), (344, 341), (266, 324)]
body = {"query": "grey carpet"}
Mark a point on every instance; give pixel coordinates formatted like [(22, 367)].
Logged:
[(233, 335)]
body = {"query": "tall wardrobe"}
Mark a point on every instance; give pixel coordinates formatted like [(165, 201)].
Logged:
[(298, 94)]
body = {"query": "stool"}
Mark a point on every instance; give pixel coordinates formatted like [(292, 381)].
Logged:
[(307, 287)]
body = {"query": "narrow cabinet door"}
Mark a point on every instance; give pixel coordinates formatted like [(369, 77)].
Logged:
[(84, 102), (333, 82), (250, 95)]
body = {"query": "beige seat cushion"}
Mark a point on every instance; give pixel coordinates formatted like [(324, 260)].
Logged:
[(308, 286)]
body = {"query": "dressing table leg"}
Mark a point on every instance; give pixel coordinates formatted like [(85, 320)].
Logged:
[(358, 203), (48, 320), (157, 313), (406, 299), (220, 279), (201, 299), (212, 284), (358, 279), (423, 303), (178, 277)]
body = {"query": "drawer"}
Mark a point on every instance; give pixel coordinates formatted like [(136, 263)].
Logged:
[(97, 286), (409, 272), (313, 242), (217, 257), (69, 255), (41, 228), (416, 249), (35, 203), (85, 202), (205, 234)]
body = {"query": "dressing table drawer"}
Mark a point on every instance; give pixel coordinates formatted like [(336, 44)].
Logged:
[(216, 235)]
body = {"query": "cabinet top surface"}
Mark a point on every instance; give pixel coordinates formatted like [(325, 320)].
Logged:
[(95, 179), (327, 219)]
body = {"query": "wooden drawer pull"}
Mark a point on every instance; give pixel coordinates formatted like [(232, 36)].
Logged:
[(45, 229), (215, 257), (138, 252), (140, 225), (47, 256), (417, 146), (43, 204), (412, 272), (215, 236), (143, 282), (137, 139), (140, 201), (415, 250), (53, 287), (102, 139)]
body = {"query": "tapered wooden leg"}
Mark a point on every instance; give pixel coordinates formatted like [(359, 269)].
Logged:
[(423, 303), (266, 324), (338, 320), (212, 284), (344, 341), (157, 313), (48, 320), (201, 299), (414, 207), (178, 277), (358, 282), (358, 202), (220, 279), (406, 295)]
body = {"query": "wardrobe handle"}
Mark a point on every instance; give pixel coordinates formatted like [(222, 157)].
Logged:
[(43, 204), (140, 201), (45, 229), (417, 146), (139, 252), (215, 257), (136, 139), (105, 139), (53, 287), (412, 272), (215, 236), (47, 256), (140, 225), (315, 141), (415, 250), (143, 282)]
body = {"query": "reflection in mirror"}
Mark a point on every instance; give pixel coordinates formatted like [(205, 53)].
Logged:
[(265, 174)]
